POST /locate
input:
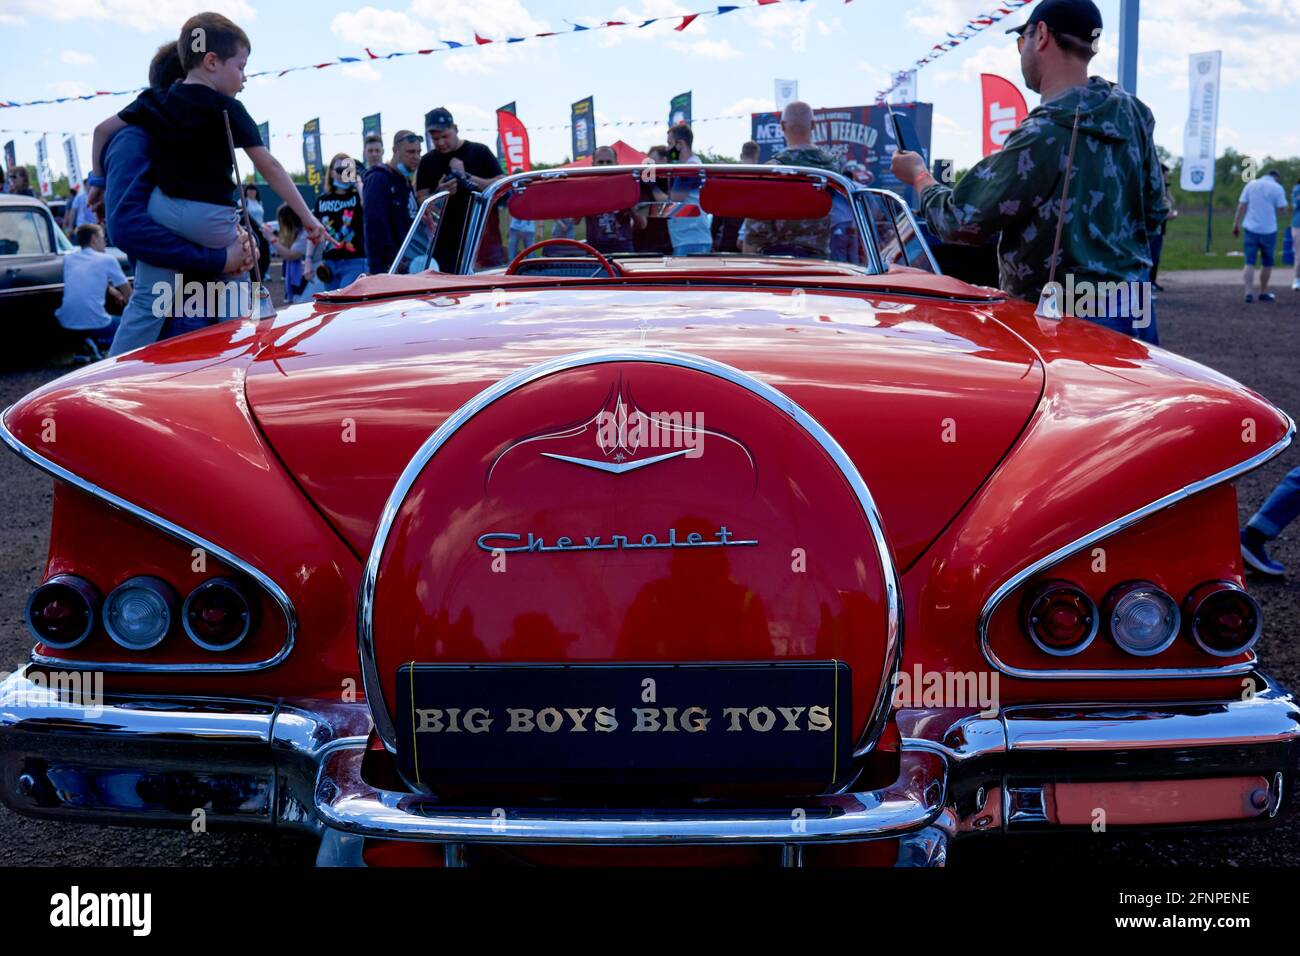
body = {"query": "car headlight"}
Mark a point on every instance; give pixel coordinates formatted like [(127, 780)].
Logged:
[(1143, 619), (139, 612)]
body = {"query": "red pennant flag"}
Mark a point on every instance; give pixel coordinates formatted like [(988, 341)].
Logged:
[(686, 22), (1004, 110), (479, 40), (514, 142)]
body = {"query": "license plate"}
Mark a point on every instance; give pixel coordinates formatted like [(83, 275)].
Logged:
[(785, 724)]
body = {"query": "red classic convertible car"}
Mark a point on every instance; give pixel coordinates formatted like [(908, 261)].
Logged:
[(802, 554)]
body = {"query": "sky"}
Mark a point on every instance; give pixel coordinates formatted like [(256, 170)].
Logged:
[(840, 53)]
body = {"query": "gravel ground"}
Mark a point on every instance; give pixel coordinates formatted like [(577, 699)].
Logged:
[(1204, 320)]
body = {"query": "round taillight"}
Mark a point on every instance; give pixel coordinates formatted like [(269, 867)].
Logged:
[(218, 614), (1143, 620), (1224, 620), (61, 612), (1060, 618), (139, 612)]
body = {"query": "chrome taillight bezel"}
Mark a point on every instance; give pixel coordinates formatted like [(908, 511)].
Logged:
[(1195, 602), (1110, 606), (148, 582), (84, 590), (250, 613), (1041, 591)]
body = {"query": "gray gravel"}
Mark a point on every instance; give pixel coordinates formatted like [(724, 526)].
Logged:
[(1254, 344)]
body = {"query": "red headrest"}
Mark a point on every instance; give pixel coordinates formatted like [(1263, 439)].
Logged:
[(570, 198), (765, 199)]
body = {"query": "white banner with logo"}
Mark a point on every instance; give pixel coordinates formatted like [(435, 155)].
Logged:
[(904, 87), (1199, 136), (74, 160), (787, 91), (43, 167)]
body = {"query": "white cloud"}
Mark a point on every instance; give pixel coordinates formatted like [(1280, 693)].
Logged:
[(9, 19), (69, 88), (705, 49), (749, 104), (150, 16), (363, 72), (77, 58), (385, 30)]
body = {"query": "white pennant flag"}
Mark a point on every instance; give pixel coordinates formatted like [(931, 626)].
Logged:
[(74, 160), (43, 167), (1199, 136), (787, 91)]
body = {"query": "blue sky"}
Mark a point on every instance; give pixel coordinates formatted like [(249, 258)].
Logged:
[(840, 53)]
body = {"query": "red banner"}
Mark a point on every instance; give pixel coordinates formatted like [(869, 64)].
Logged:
[(514, 142), (1004, 110)]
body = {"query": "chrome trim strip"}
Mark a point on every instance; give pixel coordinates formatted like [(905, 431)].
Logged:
[(481, 201), (346, 802), (410, 233), (1105, 531), (916, 228), (176, 531), (893, 588)]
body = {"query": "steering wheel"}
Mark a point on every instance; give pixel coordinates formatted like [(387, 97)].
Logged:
[(611, 269)]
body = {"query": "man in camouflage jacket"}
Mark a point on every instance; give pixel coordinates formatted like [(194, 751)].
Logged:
[(1116, 200), (793, 237)]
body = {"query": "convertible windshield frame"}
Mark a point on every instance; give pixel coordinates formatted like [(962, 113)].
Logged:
[(482, 202)]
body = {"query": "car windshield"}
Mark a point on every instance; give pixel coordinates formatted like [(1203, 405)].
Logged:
[(626, 213)]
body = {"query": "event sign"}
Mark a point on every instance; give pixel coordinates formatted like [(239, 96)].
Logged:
[(74, 160), (1004, 110), (513, 137), (679, 109), (264, 134), (582, 116), (43, 167), (862, 133), (311, 157), (1199, 135)]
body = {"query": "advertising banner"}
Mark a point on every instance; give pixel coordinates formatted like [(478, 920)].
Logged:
[(311, 157), (75, 177), (264, 134), (513, 138), (679, 109), (582, 116), (513, 109), (1199, 135), (1004, 110), (11, 156), (904, 90), (43, 167), (861, 133), (370, 125)]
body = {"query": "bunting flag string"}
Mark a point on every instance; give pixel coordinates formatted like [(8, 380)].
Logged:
[(973, 27), (683, 21)]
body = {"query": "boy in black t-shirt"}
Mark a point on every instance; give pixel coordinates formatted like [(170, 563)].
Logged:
[(191, 161)]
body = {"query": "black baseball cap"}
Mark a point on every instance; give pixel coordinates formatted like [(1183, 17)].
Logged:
[(438, 119), (1074, 18)]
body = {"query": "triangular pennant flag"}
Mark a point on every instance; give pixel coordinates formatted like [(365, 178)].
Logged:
[(686, 22)]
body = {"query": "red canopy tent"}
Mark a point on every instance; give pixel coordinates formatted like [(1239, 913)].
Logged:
[(627, 156)]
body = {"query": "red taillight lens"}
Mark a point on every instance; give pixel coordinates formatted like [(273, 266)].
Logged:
[(1060, 618), (61, 612), (1224, 620), (218, 614)]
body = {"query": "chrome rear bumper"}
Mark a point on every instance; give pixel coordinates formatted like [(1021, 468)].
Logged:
[(298, 764)]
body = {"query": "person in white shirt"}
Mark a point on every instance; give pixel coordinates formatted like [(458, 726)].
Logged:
[(89, 274), (1257, 213)]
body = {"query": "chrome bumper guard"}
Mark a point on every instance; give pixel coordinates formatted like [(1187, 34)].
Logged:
[(298, 764)]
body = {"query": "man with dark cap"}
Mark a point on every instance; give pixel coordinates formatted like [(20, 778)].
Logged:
[(1117, 198), (458, 166)]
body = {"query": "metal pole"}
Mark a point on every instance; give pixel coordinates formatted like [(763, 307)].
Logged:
[(1128, 45), (1209, 222)]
